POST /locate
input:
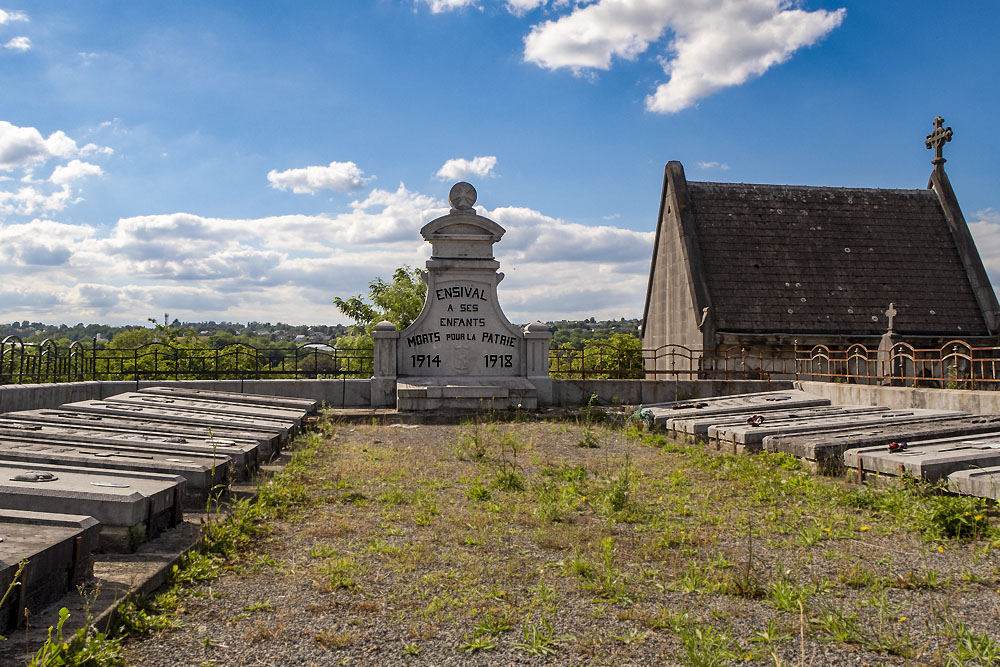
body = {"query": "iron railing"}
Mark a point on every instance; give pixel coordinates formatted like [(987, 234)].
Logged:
[(955, 365), (23, 363)]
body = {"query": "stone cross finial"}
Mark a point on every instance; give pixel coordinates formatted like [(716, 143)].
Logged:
[(891, 314), (462, 196), (937, 139)]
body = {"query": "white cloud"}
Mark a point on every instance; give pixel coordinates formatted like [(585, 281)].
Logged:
[(337, 176), (20, 44), (22, 147), (986, 231), (290, 267), (11, 16), (521, 7), (65, 174), (457, 169), (716, 43), (713, 165), (439, 6)]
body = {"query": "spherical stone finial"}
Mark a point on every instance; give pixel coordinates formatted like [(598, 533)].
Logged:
[(385, 325), (462, 196)]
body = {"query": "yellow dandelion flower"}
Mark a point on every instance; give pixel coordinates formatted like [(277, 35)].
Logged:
[(978, 517), (940, 549), (826, 530), (968, 513), (902, 619), (864, 528)]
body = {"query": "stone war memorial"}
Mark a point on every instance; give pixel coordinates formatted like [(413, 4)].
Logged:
[(462, 352)]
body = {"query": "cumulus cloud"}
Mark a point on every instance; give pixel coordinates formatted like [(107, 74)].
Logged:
[(713, 165), (289, 267), (457, 169), (25, 146), (715, 44), (9, 16), (19, 44), (64, 174), (337, 176)]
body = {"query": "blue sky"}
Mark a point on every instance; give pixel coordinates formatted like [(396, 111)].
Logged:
[(252, 160)]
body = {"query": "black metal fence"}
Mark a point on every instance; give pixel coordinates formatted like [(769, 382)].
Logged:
[(23, 363)]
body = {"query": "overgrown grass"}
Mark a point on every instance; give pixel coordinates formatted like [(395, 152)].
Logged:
[(515, 542)]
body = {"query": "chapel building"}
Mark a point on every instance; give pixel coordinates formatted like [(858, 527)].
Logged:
[(757, 271)]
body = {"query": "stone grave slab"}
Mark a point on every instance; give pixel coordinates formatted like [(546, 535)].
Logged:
[(57, 548), (750, 437), (178, 416), (243, 454), (306, 404), (928, 462), (269, 441), (131, 506), (738, 403), (290, 415), (201, 473), (698, 425), (465, 394), (831, 445), (983, 482)]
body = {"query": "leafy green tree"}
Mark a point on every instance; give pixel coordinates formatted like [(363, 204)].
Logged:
[(399, 301)]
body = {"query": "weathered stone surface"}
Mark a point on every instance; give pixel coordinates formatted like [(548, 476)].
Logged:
[(201, 473), (833, 444), (983, 482), (465, 394), (243, 454), (164, 414), (739, 403), (269, 441), (57, 548), (291, 416), (750, 437), (928, 462), (305, 404), (699, 426), (130, 505)]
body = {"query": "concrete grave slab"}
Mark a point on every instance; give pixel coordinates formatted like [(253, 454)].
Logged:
[(306, 404), (928, 462), (269, 441), (699, 425), (57, 548), (983, 482), (245, 455), (285, 415), (433, 393), (178, 416), (201, 473), (721, 405), (131, 506), (830, 446), (751, 437)]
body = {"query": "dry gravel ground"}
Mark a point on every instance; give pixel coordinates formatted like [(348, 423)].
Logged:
[(418, 546)]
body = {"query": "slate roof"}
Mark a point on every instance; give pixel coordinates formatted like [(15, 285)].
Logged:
[(824, 260)]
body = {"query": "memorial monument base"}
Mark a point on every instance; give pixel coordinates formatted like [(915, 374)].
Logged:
[(465, 393)]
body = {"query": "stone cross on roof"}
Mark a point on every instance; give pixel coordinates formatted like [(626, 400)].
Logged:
[(891, 314), (937, 139)]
